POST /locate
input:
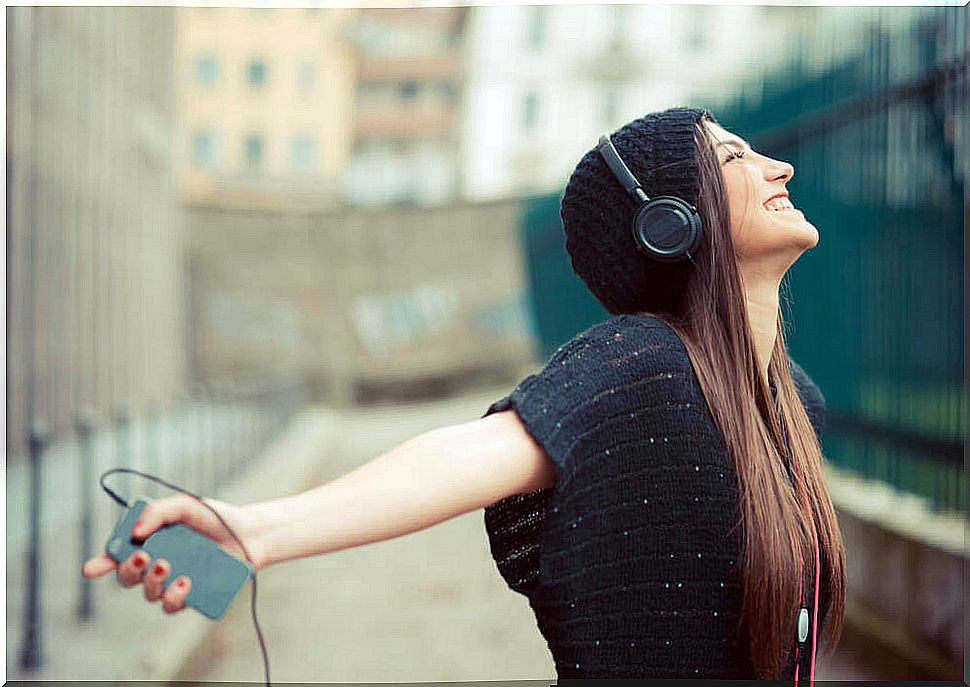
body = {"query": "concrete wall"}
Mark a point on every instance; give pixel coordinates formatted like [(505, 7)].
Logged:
[(361, 302), (94, 230), (906, 570)]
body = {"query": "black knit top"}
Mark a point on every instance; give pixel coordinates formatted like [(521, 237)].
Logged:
[(628, 562)]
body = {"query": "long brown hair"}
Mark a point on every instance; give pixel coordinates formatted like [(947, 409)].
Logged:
[(711, 319)]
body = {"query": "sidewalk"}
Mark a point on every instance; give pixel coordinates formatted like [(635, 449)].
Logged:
[(426, 607)]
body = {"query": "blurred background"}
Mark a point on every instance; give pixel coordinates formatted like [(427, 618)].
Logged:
[(250, 248)]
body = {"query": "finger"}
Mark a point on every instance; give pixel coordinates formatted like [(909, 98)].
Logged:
[(159, 513), (174, 599), (155, 580), (101, 565), (130, 572)]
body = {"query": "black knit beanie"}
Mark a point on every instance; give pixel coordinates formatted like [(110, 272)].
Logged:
[(597, 213)]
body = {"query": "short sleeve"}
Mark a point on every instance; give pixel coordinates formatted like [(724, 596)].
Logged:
[(583, 383), (512, 525), (811, 396), (498, 406)]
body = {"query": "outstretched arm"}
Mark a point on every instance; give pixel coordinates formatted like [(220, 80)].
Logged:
[(426, 480)]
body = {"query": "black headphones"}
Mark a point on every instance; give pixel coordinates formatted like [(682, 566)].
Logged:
[(666, 228)]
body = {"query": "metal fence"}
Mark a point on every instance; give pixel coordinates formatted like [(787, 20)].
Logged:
[(881, 144), (201, 443)]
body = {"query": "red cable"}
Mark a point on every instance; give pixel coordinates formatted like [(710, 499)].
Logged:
[(811, 673)]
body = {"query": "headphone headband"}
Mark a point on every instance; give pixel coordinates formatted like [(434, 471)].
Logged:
[(619, 169)]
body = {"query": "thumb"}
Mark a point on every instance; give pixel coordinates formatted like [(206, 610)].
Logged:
[(159, 513), (96, 567)]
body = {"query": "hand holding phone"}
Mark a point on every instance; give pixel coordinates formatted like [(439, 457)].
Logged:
[(216, 575)]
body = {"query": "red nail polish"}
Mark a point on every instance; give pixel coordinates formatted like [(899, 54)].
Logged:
[(139, 561), (180, 583), (158, 569)]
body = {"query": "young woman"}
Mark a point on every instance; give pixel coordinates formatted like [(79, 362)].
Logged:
[(656, 490)]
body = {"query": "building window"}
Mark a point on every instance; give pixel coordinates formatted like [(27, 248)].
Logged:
[(530, 111), (537, 27), (409, 90), (204, 153), (454, 36), (206, 70), (610, 105), (447, 90), (256, 73), (305, 76), (697, 27), (378, 94), (303, 154), (254, 152)]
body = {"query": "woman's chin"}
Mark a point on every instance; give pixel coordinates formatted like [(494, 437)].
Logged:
[(811, 234), (800, 240), (800, 229)]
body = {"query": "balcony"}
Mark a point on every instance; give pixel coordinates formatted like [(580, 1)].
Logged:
[(406, 121), (440, 67), (615, 63)]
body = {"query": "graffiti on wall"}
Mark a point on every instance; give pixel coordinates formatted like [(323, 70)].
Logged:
[(508, 318), (397, 319)]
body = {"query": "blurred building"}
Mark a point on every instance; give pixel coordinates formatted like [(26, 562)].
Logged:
[(406, 128), (544, 81), (315, 270), (265, 101), (94, 230)]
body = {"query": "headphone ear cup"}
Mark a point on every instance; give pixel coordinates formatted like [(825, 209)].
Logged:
[(667, 229)]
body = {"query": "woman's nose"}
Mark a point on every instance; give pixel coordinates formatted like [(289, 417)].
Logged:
[(779, 169)]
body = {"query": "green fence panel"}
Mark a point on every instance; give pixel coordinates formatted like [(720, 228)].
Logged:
[(879, 142), (880, 174), (560, 304)]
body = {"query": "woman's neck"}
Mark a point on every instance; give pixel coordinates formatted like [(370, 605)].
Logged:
[(762, 301)]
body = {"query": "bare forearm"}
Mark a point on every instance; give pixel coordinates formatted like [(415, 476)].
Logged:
[(424, 481)]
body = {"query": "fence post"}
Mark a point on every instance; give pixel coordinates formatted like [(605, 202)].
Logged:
[(181, 425), (32, 655), (152, 449), (229, 416), (258, 428), (210, 435), (122, 421), (85, 430), (252, 421), (198, 422), (226, 425)]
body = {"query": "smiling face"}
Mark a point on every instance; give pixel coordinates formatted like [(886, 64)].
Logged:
[(765, 226)]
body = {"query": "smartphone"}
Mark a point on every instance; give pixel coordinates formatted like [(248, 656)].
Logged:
[(217, 576)]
